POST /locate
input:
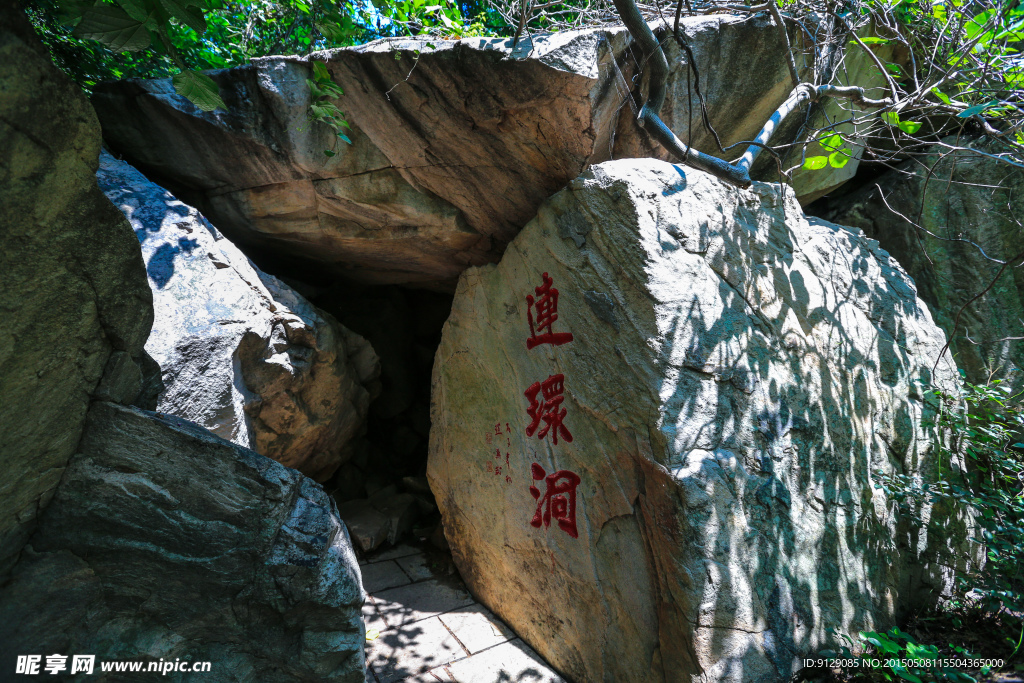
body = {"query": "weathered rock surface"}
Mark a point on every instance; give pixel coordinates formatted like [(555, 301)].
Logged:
[(449, 159), (242, 353), (961, 198), (736, 375), (384, 517), (73, 296), (166, 542)]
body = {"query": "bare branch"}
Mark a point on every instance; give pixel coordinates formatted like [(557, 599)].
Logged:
[(790, 62)]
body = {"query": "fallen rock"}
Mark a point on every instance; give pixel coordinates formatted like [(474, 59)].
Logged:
[(416, 485), (385, 516), (242, 353), (164, 542), (964, 202), (657, 425), (74, 303), (368, 525), (456, 143)]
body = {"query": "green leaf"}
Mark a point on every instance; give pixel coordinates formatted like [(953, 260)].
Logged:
[(199, 89), (910, 127), (815, 163), (892, 118), (975, 26), (345, 138), (906, 675), (337, 29), (839, 158), (69, 12), (331, 154), (189, 16), (872, 40), (881, 641), (832, 143), (320, 111), (448, 23), (976, 109), (114, 28), (320, 71), (941, 95), (330, 88), (136, 9)]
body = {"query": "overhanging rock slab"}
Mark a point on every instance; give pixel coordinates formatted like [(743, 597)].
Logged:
[(455, 143)]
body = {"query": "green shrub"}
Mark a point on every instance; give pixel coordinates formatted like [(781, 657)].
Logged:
[(896, 655), (985, 426)]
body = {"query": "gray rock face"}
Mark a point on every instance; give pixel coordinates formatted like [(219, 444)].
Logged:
[(166, 542), (447, 165), (385, 516), (242, 353), (657, 425), (958, 196), (74, 303)]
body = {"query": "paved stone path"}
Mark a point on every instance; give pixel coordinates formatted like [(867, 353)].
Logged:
[(430, 628)]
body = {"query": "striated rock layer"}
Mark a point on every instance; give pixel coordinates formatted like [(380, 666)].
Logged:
[(453, 150), (164, 542), (74, 305), (657, 425), (242, 353)]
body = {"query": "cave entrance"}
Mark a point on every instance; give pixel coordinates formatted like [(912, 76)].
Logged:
[(381, 489)]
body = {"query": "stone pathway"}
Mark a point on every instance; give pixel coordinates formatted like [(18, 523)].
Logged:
[(430, 628)]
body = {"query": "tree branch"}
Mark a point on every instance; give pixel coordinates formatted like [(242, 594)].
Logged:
[(790, 61)]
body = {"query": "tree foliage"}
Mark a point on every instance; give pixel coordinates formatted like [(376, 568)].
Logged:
[(950, 65), (114, 39)]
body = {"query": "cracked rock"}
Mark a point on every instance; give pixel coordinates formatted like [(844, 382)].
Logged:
[(684, 495), (74, 305), (455, 143), (164, 541), (242, 353)]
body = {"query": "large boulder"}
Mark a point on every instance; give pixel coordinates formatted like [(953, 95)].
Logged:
[(456, 143), (951, 217), (242, 353), (165, 543), (74, 302), (658, 423)]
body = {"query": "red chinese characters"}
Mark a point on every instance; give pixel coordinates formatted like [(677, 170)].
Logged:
[(494, 465), (549, 410), (546, 305), (546, 398), (559, 500)]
